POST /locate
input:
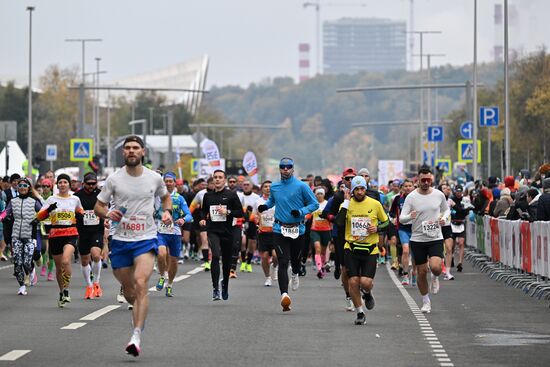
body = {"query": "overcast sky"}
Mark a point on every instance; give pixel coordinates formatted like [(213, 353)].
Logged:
[(246, 40)]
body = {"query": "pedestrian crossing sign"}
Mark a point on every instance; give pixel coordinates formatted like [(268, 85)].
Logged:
[(81, 150), (445, 166), (466, 151)]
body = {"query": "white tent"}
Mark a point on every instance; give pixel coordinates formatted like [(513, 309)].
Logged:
[(16, 157)]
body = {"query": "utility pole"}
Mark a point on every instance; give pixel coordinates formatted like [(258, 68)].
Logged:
[(475, 113), (29, 142)]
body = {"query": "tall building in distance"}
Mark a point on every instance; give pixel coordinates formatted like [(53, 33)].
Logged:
[(352, 45)]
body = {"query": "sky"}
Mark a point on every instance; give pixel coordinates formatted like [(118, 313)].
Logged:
[(247, 40)]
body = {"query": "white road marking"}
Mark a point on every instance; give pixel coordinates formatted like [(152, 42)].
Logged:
[(99, 313), (14, 354), (6, 267), (196, 270), (181, 277), (73, 326), (432, 341)]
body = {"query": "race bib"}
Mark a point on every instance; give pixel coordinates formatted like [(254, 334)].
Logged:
[(268, 220), (457, 228), (359, 226), (64, 217), (133, 226), (215, 215), (290, 232), (166, 229), (90, 219), (431, 228)]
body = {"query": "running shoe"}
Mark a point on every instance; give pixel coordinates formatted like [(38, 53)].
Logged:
[(66, 297), (216, 295), (104, 264), (320, 274), (394, 264), (225, 293), (169, 292), (61, 301), (207, 266), (285, 302), (349, 304), (186, 254), (382, 260), (413, 280), (160, 284), (434, 287), (243, 267), (51, 277), (361, 319), (133, 347), (249, 268), (405, 279), (180, 261), (268, 282), (448, 276), (232, 274), (34, 277), (426, 307), (43, 271), (400, 271), (98, 292), (294, 282), (3, 258), (337, 273), (22, 291), (368, 299), (459, 268), (130, 307), (120, 297), (89, 293), (303, 271)]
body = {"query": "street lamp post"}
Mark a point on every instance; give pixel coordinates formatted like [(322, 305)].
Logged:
[(317, 7), (29, 138), (474, 110), (506, 91), (97, 123)]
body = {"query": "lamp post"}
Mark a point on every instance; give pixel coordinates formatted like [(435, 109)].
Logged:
[(506, 91), (474, 110), (29, 138), (317, 7), (97, 137)]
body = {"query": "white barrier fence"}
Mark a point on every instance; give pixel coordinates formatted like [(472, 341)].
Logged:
[(518, 244)]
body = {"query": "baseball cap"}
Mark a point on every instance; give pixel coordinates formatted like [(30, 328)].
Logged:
[(363, 171), (358, 181), (458, 188), (349, 171), (90, 176), (134, 138)]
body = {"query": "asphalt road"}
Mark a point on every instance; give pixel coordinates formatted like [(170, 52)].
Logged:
[(475, 321)]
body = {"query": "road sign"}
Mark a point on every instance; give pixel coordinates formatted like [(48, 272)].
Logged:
[(488, 116), (467, 129), (195, 166), (466, 151), (51, 152), (435, 133), (81, 150), (446, 165), (428, 153)]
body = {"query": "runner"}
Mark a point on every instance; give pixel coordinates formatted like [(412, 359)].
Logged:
[(426, 209), (320, 233), (62, 209), (219, 209), (293, 200), (362, 217), (404, 232), (133, 189), (169, 236), (460, 209), (196, 205), (266, 243), (251, 230), (90, 241), (21, 212), (447, 233)]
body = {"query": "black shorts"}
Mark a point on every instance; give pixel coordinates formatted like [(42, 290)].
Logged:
[(56, 244), (421, 251), (457, 235), (251, 232), (88, 240), (360, 265), (447, 232), (187, 226), (391, 230), (266, 242)]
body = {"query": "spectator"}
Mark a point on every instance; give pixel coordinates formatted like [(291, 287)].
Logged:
[(510, 183), (504, 204), (533, 196), (520, 205), (543, 206), (493, 204)]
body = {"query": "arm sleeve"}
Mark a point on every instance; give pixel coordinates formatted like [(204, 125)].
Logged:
[(341, 217), (405, 216), (394, 206), (310, 200), (43, 213), (204, 207), (237, 209), (185, 209), (383, 220), (37, 205), (270, 203), (444, 208)]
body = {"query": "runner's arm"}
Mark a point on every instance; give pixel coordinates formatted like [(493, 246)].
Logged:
[(310, 200), (405, 216), (236, 207), (187, 217), (101, 209), (342, 214)]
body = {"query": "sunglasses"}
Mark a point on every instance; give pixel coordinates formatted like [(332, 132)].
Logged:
[(23, 185), (90, 183), (231, 181), (426, 180), (349, 178), (49, 187), (286, 166)]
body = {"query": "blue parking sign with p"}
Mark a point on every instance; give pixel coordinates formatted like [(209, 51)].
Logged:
[(435, 133), (488, 116)]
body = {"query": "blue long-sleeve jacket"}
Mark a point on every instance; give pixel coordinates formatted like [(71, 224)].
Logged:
[(179, 210), (287, 195)]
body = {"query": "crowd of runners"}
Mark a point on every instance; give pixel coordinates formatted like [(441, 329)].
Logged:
[(139, 220)]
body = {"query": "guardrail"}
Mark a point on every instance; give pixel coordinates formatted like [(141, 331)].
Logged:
[(517, 252)]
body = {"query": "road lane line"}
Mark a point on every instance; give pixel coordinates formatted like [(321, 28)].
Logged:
[(99, 313), (73, 326), (6, 267), (432, 341), (196, 270), (14, 354), (181, 277)]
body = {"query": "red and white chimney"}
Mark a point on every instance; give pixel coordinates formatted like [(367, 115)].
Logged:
[(303, 49)]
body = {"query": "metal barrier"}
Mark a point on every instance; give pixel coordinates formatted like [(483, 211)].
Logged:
[(515, 252)]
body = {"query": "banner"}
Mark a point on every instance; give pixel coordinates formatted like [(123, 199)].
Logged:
[(211, 152), (390, 170), (495, 243), (525, 229), (250, 165)]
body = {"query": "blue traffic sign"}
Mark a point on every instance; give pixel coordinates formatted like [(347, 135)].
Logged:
[(467, 129), (435, 133), (81, 150), (488, 116), (51, 152)]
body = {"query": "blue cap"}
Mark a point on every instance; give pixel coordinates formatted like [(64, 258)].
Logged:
[(171, 175), (286, 161), (358, 181)]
